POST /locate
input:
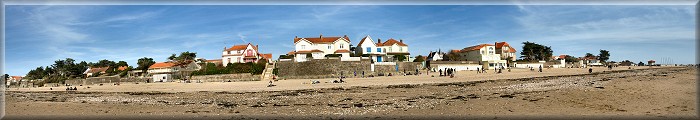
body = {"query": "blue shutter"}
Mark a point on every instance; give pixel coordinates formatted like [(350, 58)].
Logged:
[(369, 49)]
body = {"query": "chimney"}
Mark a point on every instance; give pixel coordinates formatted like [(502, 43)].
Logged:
[(321, 36), (256, 46), (379, 40), (224, 47), (401, 40)]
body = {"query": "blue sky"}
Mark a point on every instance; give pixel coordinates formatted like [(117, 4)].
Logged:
[(38, 35)]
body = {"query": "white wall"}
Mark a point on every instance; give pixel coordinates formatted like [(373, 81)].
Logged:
[(458, 67), (162, 77), (534, 65)]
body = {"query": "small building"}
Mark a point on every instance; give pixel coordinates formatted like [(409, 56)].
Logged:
[(651, 62), (167, 71), (94, 70), (591, 61)]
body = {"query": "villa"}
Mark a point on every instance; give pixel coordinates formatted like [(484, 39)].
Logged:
[(165, 71), (394, 48), (243, 54), (485, 54), (320, 47), (93, 70)]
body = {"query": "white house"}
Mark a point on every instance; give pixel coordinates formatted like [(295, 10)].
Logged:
[(368, 47), (319, 47), (394, 48), (93, 70), (591, 61), (164, 71), (243, 54), (485, 54)]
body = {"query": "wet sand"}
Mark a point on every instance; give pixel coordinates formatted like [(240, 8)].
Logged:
[(665, 93)]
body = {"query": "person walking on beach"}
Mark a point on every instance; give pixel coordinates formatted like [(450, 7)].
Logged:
[(590, 70), (440, 72), (540, 68), (477, 70), (363, 74), (416, 71), (355, 73)]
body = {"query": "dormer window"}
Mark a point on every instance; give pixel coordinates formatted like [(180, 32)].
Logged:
[(341, 46), (303, 46)]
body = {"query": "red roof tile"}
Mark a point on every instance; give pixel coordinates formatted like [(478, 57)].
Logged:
[(322, 39), (290, 53), (391, 41), (309, 51), (476, 47), (342, 51), (97, 69), (122, 68), (16, 77), (162, 65), (241, 47), (216, 60), (267, 56)]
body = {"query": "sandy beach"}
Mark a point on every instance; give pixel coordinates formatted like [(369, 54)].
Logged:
[(658, 92)]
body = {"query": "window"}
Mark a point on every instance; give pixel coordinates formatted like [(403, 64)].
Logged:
[(379, 49), (341, 45), (238, 52), (369, 49), (329, 46), (229, 60), (229, 52), (303, 46), (389, 50), (400, 49)]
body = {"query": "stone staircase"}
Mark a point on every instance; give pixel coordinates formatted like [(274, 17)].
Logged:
[(267, 73)]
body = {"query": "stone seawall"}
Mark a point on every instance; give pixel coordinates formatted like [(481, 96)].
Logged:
[(103, 80), (330, 68), (227, 77)]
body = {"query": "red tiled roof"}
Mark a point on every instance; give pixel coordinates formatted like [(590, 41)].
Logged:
[(241, 47), (97, 69), (476, 47), (342, 51), (309, 51), (162, 65), (267, 56), (16, 77), (290, 53), (651, 61), (362, 40), (122, 68), (455, 51), (322, 39), (391, 41), (499, 45)]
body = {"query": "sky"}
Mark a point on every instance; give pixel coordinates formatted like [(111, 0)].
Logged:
[(39, 35)]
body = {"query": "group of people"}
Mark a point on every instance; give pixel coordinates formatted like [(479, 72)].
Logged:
[(71, 88), (448, 72)]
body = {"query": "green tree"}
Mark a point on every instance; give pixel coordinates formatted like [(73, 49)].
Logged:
[(121, 63), (533, 52), (569, 58), (451, 56), (640, 63), (144, 63), (589, 55), (604, 55), (419, 58), (7, 77), (400, 57)]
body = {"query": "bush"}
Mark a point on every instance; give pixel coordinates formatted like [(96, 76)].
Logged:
[(333, 55)]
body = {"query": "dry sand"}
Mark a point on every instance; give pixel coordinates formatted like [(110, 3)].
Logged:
[(666, 93)]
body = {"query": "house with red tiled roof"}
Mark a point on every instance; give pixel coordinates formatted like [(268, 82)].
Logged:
[(319, 47), (166, 71), (242, 54), (484, 54), (505, 50), (93, 70), (367, 47), (394, 48)]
